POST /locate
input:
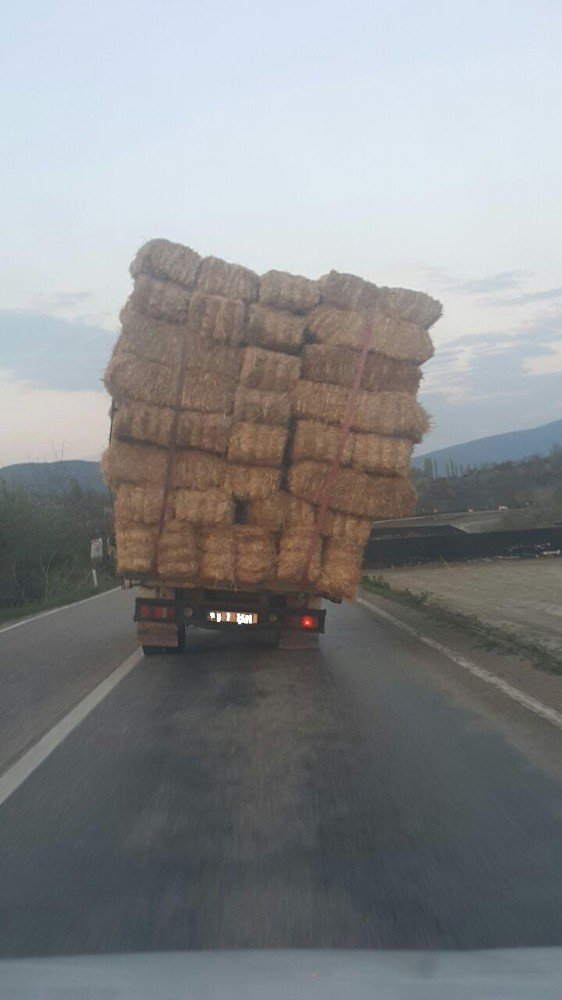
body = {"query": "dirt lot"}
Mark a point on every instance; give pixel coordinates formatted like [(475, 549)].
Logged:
[(522, 595)]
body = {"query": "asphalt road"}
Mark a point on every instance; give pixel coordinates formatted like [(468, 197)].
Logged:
[(361, 795)]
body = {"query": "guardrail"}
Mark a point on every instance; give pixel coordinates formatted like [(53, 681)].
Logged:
[(527, 543)]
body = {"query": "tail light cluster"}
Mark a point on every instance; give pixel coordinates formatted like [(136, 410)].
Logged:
[(308, 622), (157, 612)]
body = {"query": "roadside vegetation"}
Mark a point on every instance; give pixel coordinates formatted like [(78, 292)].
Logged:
[(486, 636), (45, 537), (533, 486)]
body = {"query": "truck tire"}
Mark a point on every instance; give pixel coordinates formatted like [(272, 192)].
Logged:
[(153, 650)]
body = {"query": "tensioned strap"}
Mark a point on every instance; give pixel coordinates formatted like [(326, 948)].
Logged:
[(172, 448), (335, 467)]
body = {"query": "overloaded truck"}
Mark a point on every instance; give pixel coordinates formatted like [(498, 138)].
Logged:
[(259, 425)]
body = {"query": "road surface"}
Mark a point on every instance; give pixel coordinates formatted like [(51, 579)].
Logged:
[(365, 795)]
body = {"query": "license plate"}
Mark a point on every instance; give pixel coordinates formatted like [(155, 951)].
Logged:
[(233, 617)]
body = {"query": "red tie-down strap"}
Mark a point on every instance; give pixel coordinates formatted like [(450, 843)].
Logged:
[(334, 469)]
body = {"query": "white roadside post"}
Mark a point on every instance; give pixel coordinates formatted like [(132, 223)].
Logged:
[(96, 555)]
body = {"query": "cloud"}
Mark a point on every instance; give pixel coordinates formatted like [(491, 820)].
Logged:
[(499, 282), (53, 353), (490, 383), (528, 298)]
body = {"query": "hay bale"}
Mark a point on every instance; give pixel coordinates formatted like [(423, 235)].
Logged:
[(255, 554), (319, 441), (168, 261), (135, 546), (274, 329), (204, 431), (150, 339), (346, 291), (137, 464), (375, 412), (347, 529), (205, 355), (378, 453), (324, 363), (414, 307), (261, 407), (288, 291), (129, 377), (208, 392), (393, 337), (341, 569), (257, 444), (279, 511), (178, 552), (204, 508), (197, 470), (137, 505), (251, 482), (218, 277), (212, 317), (354, 492), (269, 370), (294, 545), (142, 422), (160, 299), (217, 559)]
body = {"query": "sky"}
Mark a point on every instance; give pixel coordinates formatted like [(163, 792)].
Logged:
[(414, 143)]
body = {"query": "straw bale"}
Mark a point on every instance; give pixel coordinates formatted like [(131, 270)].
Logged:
[(213, 317), (151, 339), (135, 546), (346, 291), (255, 554), (274, 329), (346, 528), (379, 412), (251, 482), (414, 307), (294, 545), (137, 464), (269, 370), (279, 511), (198, 470), (208, 392), (167, 261), (257, 444), (324, 363), (320, 441), (127, 376), (217, 563), (160, 299), (202, 507), (390, 336), (288, 291), (260, 406), (205, 355), (138, 505), (218, 277), (341, 569), (142, 422), (379, 453), (354, 492), (204, 431), (178, 551)]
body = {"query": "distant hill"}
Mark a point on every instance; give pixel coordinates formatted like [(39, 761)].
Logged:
[(498, 448), (41, 475)]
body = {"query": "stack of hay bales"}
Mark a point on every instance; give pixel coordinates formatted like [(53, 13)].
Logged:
[(229, 391)]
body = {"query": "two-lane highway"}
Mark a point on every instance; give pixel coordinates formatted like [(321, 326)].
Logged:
[(241, 796)]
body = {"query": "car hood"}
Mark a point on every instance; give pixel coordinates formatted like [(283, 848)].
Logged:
[(511, 974)]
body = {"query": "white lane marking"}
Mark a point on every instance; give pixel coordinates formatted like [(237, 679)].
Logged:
[(53, 611), (531, 704), (29, 761)]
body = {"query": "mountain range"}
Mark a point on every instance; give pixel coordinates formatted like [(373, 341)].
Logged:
[(512, 446)]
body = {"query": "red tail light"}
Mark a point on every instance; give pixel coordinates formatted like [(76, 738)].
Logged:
[(157, 612), (307, 621)]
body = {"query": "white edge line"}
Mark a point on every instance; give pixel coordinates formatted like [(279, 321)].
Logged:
[(29, 761), (531, 704), (53, 611)]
